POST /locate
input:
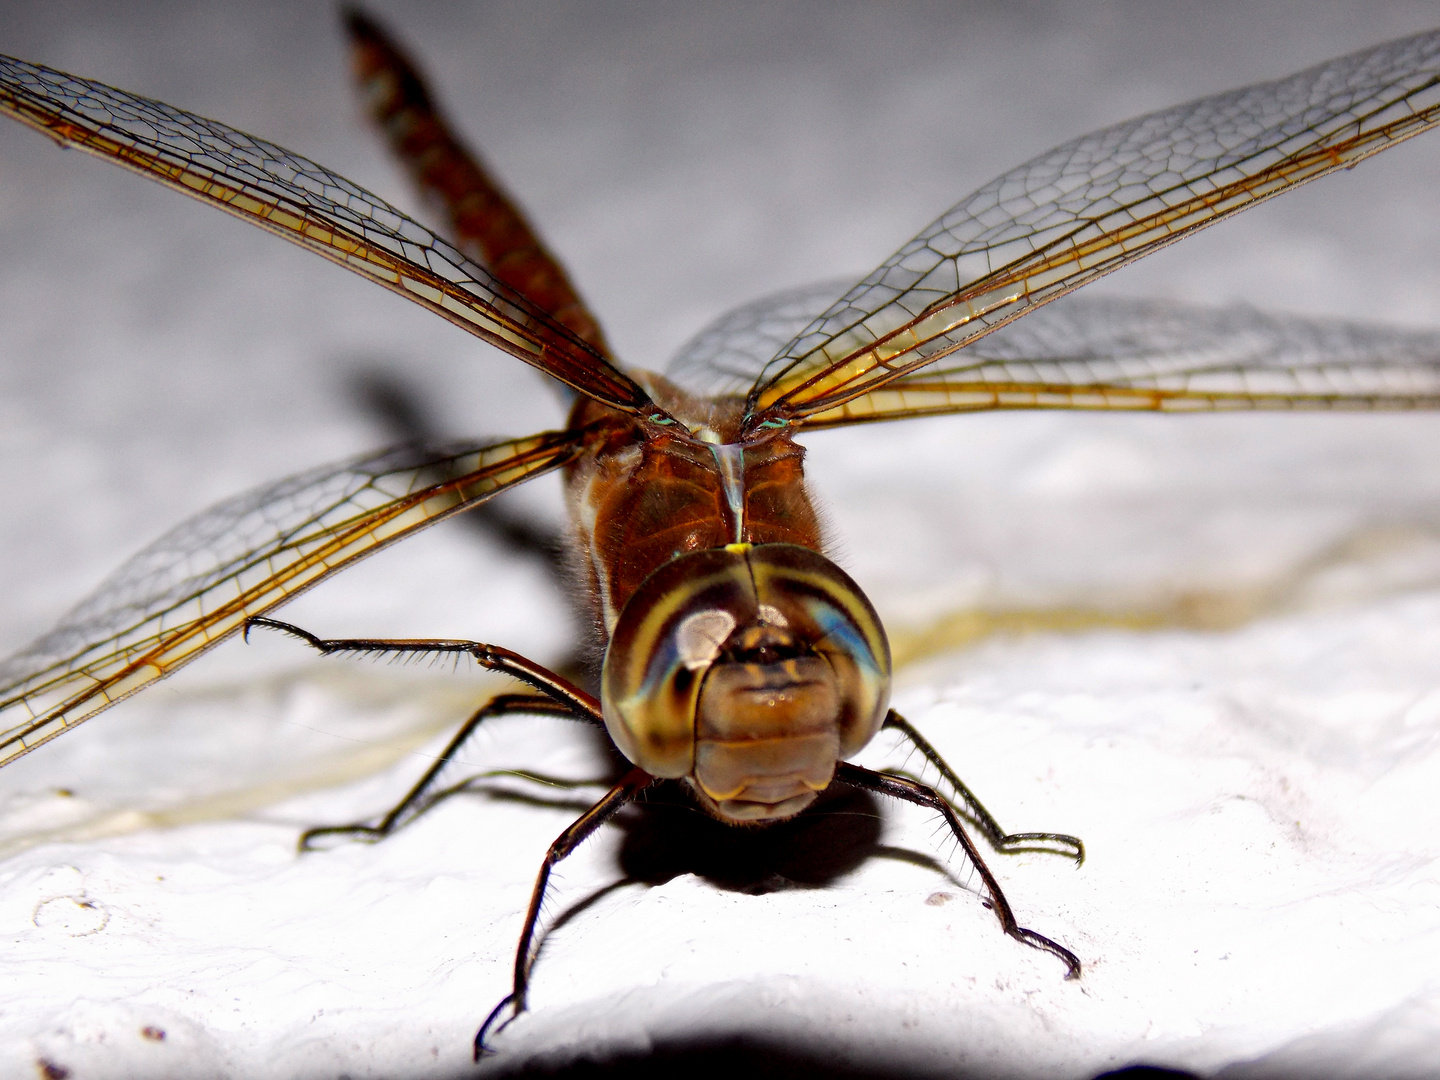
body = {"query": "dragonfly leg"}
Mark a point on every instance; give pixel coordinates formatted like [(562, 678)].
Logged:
[(418, 800), (493, 657), (634, 782), (557, 696), (1008, 843), (901, 787)]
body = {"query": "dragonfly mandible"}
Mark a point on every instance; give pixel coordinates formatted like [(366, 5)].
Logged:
[(711, 443)]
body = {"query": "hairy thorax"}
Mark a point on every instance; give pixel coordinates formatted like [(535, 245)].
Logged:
[(640, 500)]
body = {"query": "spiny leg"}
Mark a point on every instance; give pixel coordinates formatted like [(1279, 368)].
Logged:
[(493, 657), (634, 782), (1002, 841), (557, 697), (402, 811), (900, 787)]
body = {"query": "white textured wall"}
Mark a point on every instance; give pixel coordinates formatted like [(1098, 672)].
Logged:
[(1261, 893)]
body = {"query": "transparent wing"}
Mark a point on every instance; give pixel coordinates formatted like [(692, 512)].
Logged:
[(307, 205), (724, 358), (1089, 207), (1083, 352), (198, 584)]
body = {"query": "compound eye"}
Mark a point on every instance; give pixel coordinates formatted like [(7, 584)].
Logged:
[(668, 635), (821, 606), (743, 649)]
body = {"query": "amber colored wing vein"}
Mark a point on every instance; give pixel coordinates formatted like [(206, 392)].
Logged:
[(1100, 352), (1092, 205), (198, 584), (1083, 352), (310, 206)]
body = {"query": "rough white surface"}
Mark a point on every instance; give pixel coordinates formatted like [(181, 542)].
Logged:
[(1261, 894)]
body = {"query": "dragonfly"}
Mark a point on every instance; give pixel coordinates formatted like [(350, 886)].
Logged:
[(739, 662)]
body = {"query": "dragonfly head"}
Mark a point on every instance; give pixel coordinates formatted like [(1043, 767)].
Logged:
[(749, 671)]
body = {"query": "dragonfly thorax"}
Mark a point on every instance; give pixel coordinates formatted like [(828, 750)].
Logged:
[(749, 671), (640, 498)]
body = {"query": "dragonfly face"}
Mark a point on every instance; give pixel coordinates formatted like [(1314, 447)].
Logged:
[(749, 671)]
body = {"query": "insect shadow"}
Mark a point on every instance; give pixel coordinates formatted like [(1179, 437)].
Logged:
[(402, 416), (767, 1059), (665, 836)]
